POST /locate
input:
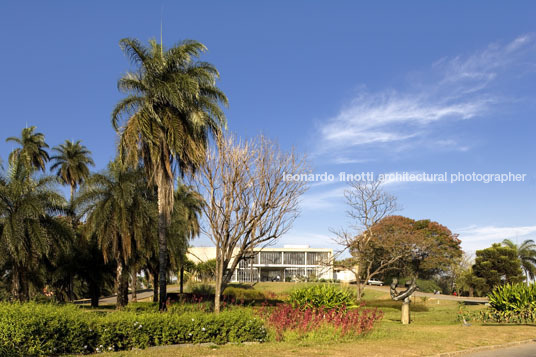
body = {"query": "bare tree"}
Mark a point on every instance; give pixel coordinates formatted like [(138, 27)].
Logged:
[(367, 204), (251, 199)]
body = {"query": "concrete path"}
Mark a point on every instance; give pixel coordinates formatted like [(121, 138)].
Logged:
[(525, 350), (475, 300), (143, 294), (111, 300)]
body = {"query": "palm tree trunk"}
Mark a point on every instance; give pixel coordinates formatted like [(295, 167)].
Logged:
[(94, 290), (181, 288), (121, 281), (155, 285), (134, 284), (16, 286), (165, 206), (72, 194)]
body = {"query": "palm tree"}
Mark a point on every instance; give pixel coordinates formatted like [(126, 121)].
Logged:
[(184, 225), (172, 108), (32, 152), (118, 213), (29, 227), (526, 252), (71, 162)]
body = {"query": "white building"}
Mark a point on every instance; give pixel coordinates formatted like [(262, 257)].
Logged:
[(344, 275), (276, 264)]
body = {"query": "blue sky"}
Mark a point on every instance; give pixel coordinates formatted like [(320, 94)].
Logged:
[(383, 87)]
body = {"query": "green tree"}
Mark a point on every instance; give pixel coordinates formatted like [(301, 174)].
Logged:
[(438, 251), (172, 107), (29, 227), (72, 163), (184, 226), (32, 152), (119, 214), (526, 252), (468, 282), (497, 265)]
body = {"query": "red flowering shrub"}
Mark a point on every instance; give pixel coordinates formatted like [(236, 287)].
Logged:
[(344, 321)]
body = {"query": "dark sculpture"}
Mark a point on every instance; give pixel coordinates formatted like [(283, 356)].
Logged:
[(403, 295)]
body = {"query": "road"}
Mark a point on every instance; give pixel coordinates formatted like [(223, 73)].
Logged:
[(524, 350), (149, 293), (143, 294)]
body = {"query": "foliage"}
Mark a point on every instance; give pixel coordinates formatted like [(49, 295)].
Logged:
[(509, 303), (497, 265), (122, 215), (202, 289), (513, 297), (423, 248), (184, 223), (232, 293), (42, 330), (30, 229), (71, 162), (205, 270), (468, 282), (423, 285), (522, 316), (32, 154), (324, 296), (526, 252), (172, 108), (287, 318)]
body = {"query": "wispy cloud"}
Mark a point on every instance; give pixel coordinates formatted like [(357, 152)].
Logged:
[(479, 237), (456, 88), (323, 199)]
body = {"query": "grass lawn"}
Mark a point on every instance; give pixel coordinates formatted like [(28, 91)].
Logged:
[(434, 329)]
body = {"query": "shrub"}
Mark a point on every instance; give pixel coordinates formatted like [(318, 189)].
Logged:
[(142, 307), (287, 320), (202, 290), (511, 303), (36, 330), (513, 297), (326, 296), (240, 294), (42, 330)]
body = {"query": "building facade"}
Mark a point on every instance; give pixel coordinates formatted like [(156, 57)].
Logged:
[(289, 263)]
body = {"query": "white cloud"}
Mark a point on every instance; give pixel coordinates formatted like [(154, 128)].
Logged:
[(456, 89), (480, 237)]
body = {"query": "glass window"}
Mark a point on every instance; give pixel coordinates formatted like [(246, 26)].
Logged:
[(247, 262), (270, 257), (317, 258), (294, 258), (294, 273), (247, 275)]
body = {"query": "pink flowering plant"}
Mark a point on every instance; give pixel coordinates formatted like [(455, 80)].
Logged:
[(288, 322)]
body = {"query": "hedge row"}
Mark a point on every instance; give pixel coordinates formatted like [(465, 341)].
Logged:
[(42, 330)]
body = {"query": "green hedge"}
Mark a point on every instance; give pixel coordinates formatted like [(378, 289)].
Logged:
[(42, 330), (238, 294), (325, 296)]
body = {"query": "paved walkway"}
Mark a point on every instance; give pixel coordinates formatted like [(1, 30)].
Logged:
[(525, 350), (149, 293), (476, 300), (143, 294)]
